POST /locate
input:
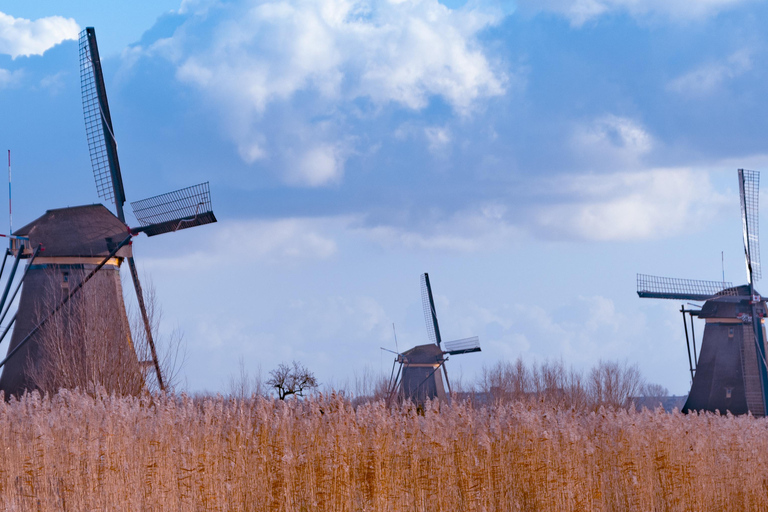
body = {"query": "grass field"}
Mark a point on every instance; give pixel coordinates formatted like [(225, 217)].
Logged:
[(74, 452)]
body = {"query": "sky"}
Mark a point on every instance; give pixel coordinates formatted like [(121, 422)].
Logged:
[(531, 156)]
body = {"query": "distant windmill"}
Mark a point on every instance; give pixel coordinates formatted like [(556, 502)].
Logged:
[(418, 375), (730, 373), (87, 244)]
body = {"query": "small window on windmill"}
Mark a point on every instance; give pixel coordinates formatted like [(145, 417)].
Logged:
[(65, 279), (728, 392), (730, 332)]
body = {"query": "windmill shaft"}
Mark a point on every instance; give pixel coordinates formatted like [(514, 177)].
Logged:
[(145, 317)]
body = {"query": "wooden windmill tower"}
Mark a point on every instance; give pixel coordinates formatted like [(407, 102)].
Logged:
[(418, 376), (74, 256), (730, 373)]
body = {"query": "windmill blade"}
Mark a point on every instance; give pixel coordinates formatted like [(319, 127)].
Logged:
[(749, 191), (655, 287), (102, 145), (173, 211), (462, 346), (430, 315)]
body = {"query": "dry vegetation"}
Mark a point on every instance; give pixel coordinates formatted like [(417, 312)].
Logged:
[(79, 452)]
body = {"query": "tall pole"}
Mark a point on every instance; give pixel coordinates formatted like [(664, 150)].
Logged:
[(722, 263), (10, 208)]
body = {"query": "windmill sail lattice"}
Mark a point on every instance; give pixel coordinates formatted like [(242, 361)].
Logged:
[(176, 210), (102, 145), (463, 346), (749, 188), (655, 287)]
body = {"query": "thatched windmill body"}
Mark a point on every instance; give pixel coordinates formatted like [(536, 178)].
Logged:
[(420, 370), (730, 373), (74, 254)]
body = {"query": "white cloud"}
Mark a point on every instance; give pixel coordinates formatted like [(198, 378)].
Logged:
[(709, 77), (632, 205), (280, 240), (10, 78), (439, 139), (611, 141), (579, 12), (470, 230), (22, 37), (401, 53), (319, 165)]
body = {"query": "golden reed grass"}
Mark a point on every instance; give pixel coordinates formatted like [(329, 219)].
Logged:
[(77, 452)]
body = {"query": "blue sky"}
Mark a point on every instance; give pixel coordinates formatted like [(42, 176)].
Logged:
[(532, 156)]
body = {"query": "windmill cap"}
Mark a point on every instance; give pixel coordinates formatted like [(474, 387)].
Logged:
[(429, 353), (726, 306), (78, 231)]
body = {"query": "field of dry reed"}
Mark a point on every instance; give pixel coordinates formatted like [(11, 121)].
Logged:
[(76, 452)]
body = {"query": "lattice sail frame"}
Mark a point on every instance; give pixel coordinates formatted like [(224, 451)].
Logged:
[(95, 121), (682, 289), (176, 210), (463, 345), (749, 188), (429, 310)]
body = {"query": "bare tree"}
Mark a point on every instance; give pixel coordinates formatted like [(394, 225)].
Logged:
[(613, 384), (88, 344), (171, 348), (654, 391), (291, 380)]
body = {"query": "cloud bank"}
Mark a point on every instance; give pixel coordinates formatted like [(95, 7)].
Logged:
[(315, 67), (20, 37)]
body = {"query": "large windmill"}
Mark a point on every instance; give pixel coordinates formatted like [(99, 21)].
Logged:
[(418, 375), (730, 373), (83, 248)]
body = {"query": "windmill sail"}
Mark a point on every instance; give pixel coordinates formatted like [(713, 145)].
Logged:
[(430, 315), (463, 346), (749, 185), (655, 287), (176, 210), (102, 145)]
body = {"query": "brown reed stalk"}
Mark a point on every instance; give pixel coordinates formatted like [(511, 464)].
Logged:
[(73, 451)]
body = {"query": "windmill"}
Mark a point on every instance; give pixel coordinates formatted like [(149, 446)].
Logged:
[(730, 373), (74, 251), (418, 376)]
